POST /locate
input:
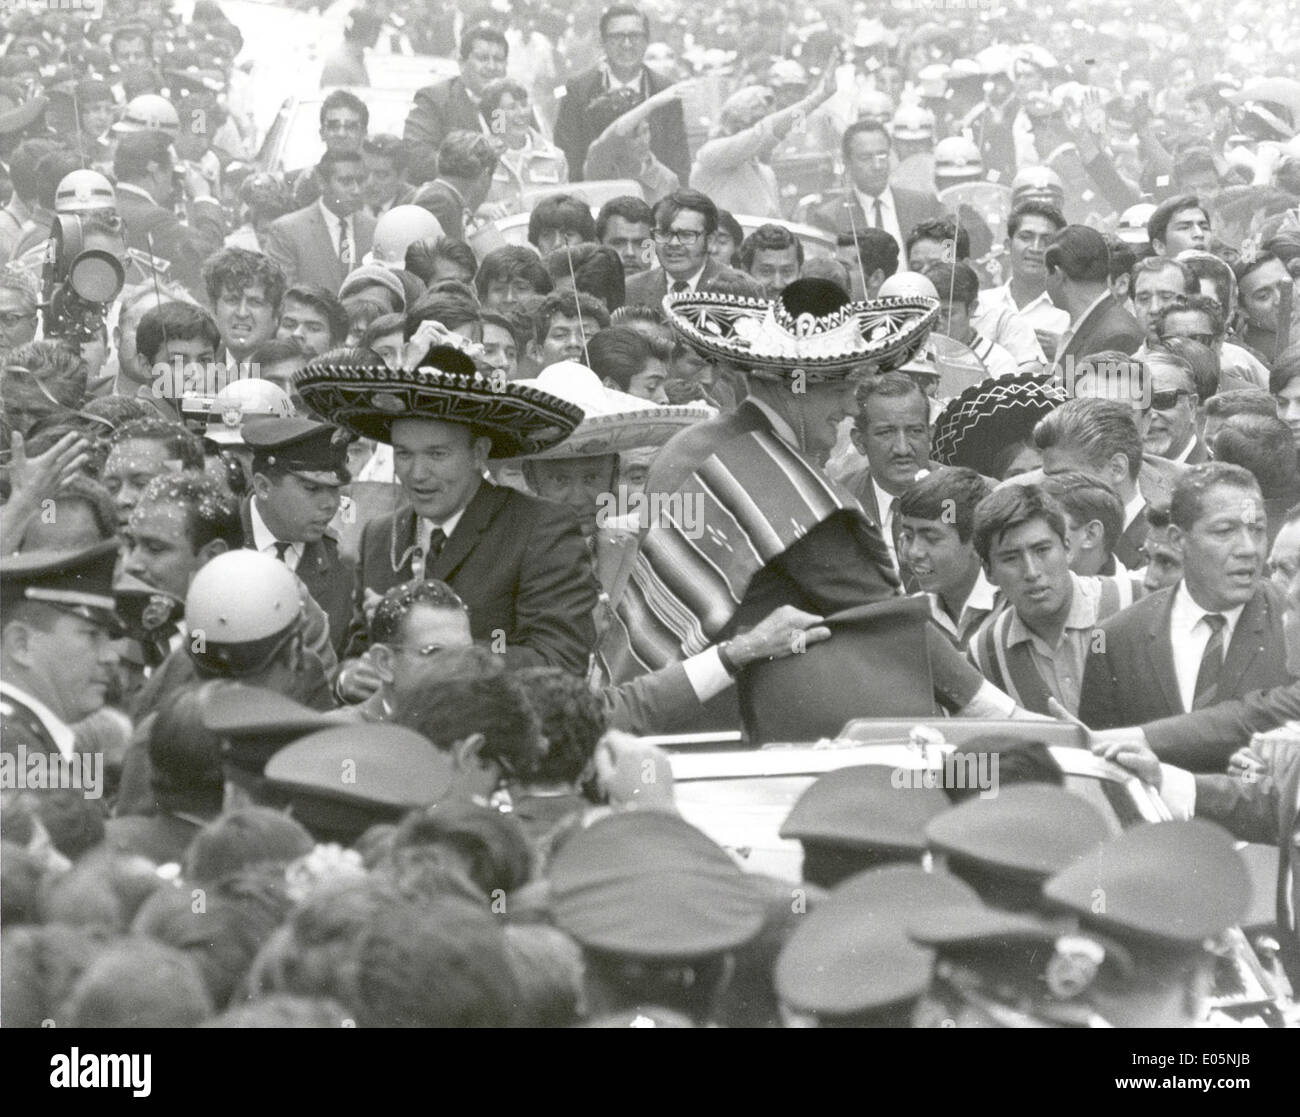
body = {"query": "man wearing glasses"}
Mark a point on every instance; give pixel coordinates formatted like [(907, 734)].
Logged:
[(685, 222), (1169, 417), (624, 34)]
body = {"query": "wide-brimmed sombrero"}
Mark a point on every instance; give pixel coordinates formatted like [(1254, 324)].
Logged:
[(975, 429), (811, 328), (613, 422), (355, 391)]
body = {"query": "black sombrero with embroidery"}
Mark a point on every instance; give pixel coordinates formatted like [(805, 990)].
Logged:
[(977, 427), (812, 327), (365, 396)]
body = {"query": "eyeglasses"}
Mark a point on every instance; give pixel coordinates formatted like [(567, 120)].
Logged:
[(343, 126), (688, 238), (625, 36), (1165, 401)]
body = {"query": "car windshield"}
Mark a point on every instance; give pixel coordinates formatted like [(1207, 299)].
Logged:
[(302, 145)]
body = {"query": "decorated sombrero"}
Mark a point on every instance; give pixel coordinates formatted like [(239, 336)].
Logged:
[(362, 394), (977, 427), (613, 422), (812, 328)]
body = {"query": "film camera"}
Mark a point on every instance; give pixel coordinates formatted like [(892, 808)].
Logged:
[(78, 282)]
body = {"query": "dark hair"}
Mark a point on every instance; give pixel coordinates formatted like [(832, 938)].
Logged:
[(1085, 499), (422, 257), (572, 722), (877, 250), (1200, 304), (236, 269), (484, 32), (179, 442), (1262, 444), (466, 156), (140, 983), (492, 843), (174, 322), (888, 385), (518, 327), (560, 213), (322, 300), (769, 238), (1158, 222), (397, 604), (1034, 208), (1100, 428), (596, 269), (1081, 253), (1009, 507), (569, 304), (390, 147), (490, 99), (447, 710), (451, 308), (342, 99), (382, 326), (242, 839), (1121, 257), (128, 31), (858, 128), (1191, 161), (1155, 264), (958, 280), (941, 229), (619, 11), (135, 151), (949, 494), (1241, 401), (728, 224), (618, 353), (630, 208), (331, 159), (670, 205), (1201, 361), (509, 262), (24, 162), (209, 513), (1187, 499)]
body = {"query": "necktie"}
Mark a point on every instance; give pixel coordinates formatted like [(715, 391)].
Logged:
[(437, 540), (1207, 678), (878, 218), (282, 549), (345, 245), (679, 286)]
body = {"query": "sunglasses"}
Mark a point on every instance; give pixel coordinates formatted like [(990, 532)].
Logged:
[(1165, 401)]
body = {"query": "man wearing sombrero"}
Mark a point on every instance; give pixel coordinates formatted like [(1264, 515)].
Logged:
[(775, 530), (518, 562)]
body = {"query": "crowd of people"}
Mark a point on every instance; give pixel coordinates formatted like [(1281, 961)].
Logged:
[(677, 370)]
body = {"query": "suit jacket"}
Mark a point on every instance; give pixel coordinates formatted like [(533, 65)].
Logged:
[(1106, 326), (156, 230), (1128, 548), (519, 563), (574, 131), (1265, 810), (301, 244), (19, 726), (446, 204), (858, 482), (1205, 739), (328, 577), (648, 288), (1129, 677), (912, 206), (440, 108)]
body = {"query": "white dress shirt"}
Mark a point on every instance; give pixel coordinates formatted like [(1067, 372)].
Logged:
[(1040, 313), (426, 527), (1189, 633), (692, 283), (1134, 508), (888, 218), (333, 223), (885, 503), (264, 539)]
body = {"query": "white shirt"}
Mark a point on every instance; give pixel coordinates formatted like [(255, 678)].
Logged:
[(426, 527), (1189, 633), (885, 503), (1133, 508), (333, 223), (1040, 313), (60, 732), (888, 218), (692, 284), (264, 539)]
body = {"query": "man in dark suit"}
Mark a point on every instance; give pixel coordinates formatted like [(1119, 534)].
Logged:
[(299, 467), (685, 222), (57, 658), (1078, 272), (1169, 414), (466, 162), (1214, 636), (322, 242), (452, 105), (624, 33), (143, 165), (868, 201)]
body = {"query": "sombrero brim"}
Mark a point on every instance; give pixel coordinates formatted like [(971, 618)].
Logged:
[(367, 398), (758, 334), (977, 426), (617, 434)]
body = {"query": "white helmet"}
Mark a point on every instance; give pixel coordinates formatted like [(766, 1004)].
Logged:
[(241, 608), (397, 230), (912, 122), (84, 192), (1037, 182), (908, 285), (957, 157), (875, 104), (148, 113), (243, 399), (1133, 223)]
